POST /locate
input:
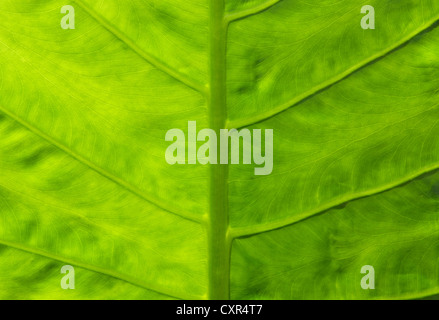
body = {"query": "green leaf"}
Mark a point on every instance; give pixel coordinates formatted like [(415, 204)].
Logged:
[(83, 176)]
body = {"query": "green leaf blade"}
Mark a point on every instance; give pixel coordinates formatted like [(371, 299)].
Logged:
[(294, 49), (83, 175), (373, 131), (54, 204), (321, 257)]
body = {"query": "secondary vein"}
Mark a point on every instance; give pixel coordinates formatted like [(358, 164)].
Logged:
[(251, 11), (329, 83), (93, 268), (146, 56), (164, 206), (238, 232)]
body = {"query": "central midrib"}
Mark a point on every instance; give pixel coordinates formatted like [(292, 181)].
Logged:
[(218, 222)]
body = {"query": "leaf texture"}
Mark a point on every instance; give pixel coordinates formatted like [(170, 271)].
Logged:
[(83, 176)]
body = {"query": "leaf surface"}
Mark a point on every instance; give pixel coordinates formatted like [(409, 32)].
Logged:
[(83, 176)]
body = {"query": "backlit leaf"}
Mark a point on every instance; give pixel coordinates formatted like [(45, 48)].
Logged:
[(83, 176)]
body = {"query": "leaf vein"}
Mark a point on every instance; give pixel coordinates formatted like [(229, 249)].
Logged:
[(239, 232), (143, 54), (430, 25), (106, 272), (101, 171)]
